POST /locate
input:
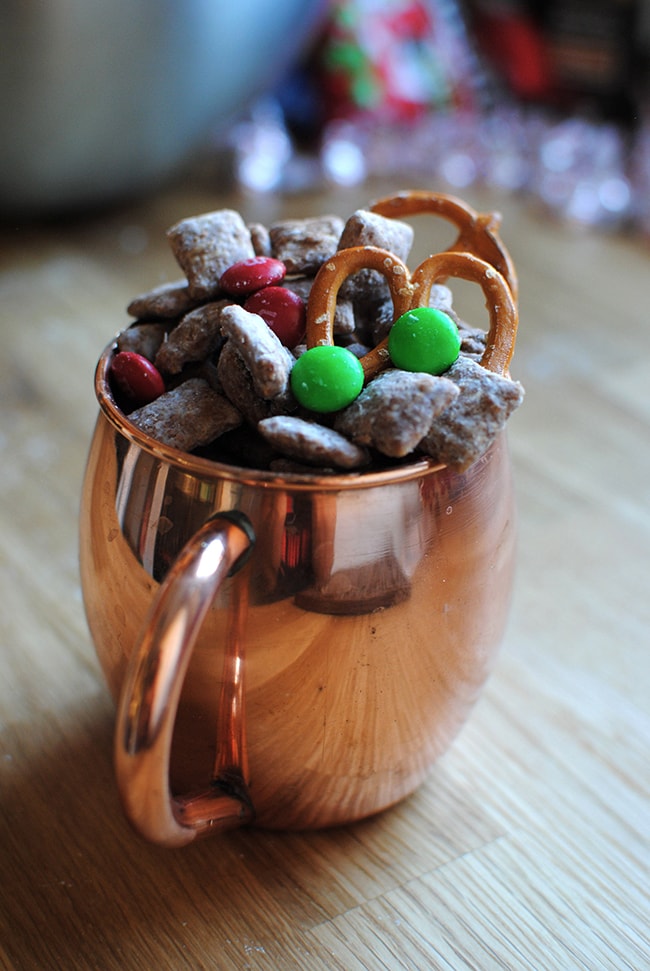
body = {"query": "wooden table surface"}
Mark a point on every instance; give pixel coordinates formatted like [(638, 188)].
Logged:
[(527, 846)]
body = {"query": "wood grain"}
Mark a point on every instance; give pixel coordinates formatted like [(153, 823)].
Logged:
[(527, 846)]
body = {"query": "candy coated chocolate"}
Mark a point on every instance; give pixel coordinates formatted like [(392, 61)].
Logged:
[(326, 378), (136, 377), (283, 310), (252, 274), (424, 339)]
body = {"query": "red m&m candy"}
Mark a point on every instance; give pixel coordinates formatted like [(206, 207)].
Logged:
[(136, 377), (283, 310), (252, 274)]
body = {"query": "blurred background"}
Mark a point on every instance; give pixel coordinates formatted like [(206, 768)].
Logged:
[(117, 119), (104, 102)]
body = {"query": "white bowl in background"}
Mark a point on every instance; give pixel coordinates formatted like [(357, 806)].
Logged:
[(103, 98)]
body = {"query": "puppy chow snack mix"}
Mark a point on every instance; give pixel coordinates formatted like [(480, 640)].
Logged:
[(310, 346)]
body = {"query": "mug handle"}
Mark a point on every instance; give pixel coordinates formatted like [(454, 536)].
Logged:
[(151, 691)]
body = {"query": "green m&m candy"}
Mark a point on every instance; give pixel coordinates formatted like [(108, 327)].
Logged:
[(424, 339), (326, 378)]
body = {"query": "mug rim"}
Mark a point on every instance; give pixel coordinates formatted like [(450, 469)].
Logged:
[(211, 468)]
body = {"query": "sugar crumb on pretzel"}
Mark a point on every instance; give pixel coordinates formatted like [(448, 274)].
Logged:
[(394, 412), (311, 443)]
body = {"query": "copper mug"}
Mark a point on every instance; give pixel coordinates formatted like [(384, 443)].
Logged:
[(293, 651)]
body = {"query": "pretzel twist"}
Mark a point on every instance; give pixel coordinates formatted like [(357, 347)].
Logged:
[(503, 316), (409, 291), (478, 232), (328, 281)]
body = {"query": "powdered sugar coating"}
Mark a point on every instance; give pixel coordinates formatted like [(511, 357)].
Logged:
[(464, 430), (312, 443), (205, 246), (188, 416), (395, 411), (267, 359), (227, 374)]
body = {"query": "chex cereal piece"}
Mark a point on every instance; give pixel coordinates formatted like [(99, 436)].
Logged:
[(365, 228), (187, 417), (236, 381), (207, 370), (377, 321), (354, 347), (205, 246), (441, 298), (344, 322), (300, 285), (196, 337), (143, 339), (268, 361), (165, 302), (260, 239), (304, 245), (463, 432), (395, 411), (313, 444), (472, 340)]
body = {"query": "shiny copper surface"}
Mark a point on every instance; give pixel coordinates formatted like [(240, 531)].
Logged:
[(302, 661)]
